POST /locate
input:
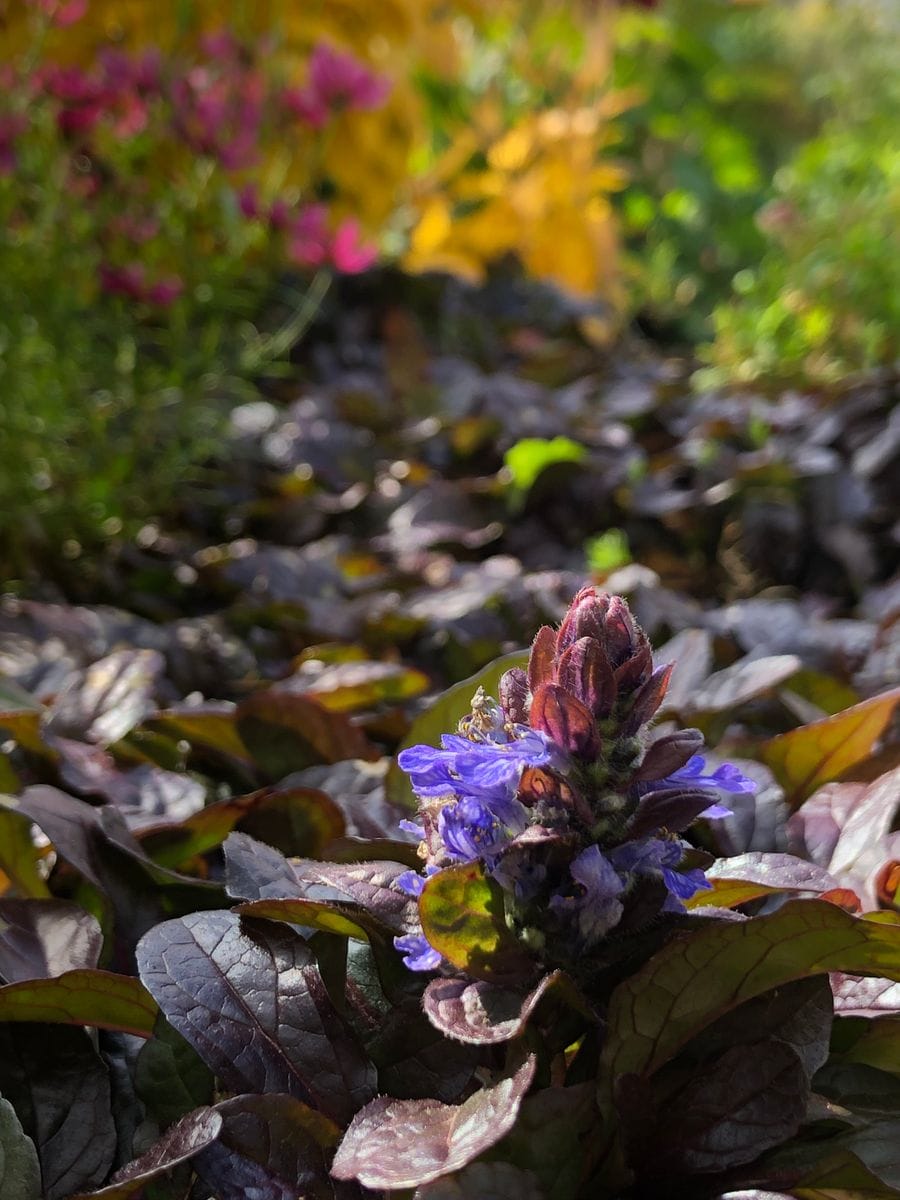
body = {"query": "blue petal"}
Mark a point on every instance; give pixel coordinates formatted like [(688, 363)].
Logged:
[(417, 953)]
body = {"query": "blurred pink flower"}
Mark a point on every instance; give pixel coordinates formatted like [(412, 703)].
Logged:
[(63, 12), (123, 281), (221, 115), (130, 281), (348, 252), (308, 236), (336, 80), (248, 203), (165, 291)]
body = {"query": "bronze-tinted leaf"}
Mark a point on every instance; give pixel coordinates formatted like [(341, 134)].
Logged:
[(395, 1144)]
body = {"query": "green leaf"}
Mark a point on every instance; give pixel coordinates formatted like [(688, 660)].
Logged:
[(443, 716), (874, 1042), (696, 979), (20, 1172), (82, 997), (529, 457), (170, 1076), (18, 856), (462, 917), (806, 758), (285, 732)]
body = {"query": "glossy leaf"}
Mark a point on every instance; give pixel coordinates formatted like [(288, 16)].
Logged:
[(697, 978), (60, 1090), (443, 716), (285, 732), (462, 916), (249, 998), (856, 996), (481, 1012), (806, 758), (170, 1078), (18, 855), (298, 820), (82, 997), (109, 699), (749, 876), (742, 681), (554, 1138), (20, 1171), (270, 1147), (43, 938), (487, 1181), (416, 1062), (179, 1144), (258, 872), (751, 1098), (396, 1144)]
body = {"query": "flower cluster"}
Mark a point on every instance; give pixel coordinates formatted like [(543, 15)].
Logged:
[(560, 794), (166, 142)]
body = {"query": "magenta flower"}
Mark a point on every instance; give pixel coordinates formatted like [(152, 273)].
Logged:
[(308, 236), (348, 252), (337, 80)]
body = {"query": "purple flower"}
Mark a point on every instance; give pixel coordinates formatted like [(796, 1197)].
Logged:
[(412, 883), (598, 906), (726, 778), (463, 767), (653, 855), (473, 828), (417, 953)]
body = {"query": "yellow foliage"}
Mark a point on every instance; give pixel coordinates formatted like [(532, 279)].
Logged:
[(527, 177)]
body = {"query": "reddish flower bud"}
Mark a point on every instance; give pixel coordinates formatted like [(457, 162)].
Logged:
[(541, 663), (585, 673), (585, 618), (565, 720)]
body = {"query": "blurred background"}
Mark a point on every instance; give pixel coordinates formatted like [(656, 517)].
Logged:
[(256, 256)]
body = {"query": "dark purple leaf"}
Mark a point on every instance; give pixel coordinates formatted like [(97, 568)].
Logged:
[(748, 876), (750, 1099), (285, 732), (672, 808), (694, 980), (296, 820), (249, 998), (486, 1181), (648, 698), (270, 1147), (107, 700), (416, 1062), (43, 938), (257, 872), (667, 754), (170, 1077), (20, 1170), (59, 1087), (481, 1012), (742, 681), (555, 1137), (179, 1144), (396, 1144)]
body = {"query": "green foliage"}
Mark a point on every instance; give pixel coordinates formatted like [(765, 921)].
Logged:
[(607, 551), (528, 458), (824, 301)]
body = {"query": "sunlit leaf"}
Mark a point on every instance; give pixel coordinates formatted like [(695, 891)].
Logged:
[(806, 758)]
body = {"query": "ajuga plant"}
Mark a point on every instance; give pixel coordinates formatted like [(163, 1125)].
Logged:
[(554, 991)]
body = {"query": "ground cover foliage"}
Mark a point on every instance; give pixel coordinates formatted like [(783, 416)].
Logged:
[(472, 769), (204, 871)]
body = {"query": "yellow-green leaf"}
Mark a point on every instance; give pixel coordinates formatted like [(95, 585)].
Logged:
[(806, 758)]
